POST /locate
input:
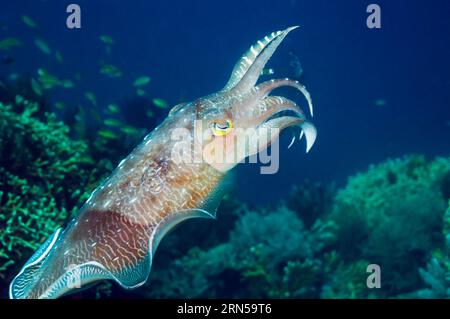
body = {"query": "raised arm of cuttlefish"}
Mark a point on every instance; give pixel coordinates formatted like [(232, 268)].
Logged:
[(116, 232)]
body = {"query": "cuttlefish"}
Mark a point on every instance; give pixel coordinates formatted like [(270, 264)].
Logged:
[(157, 186)]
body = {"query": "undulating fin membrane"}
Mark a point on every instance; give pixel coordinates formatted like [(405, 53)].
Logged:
[(91, 272), (26, 278), (137, 275), (207, 209)]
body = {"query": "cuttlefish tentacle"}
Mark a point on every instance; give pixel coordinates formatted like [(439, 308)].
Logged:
[(249, 57), (275, 104), (253, 72), (265, 88), (280, 104)]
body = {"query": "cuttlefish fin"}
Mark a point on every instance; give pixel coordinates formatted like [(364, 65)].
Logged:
[(131, 277), (207, 209), (26, 278), (137, 275), (31, 272), (78, 277), (50, 255)]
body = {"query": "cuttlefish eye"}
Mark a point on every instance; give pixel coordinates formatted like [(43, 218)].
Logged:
[(222, 128)]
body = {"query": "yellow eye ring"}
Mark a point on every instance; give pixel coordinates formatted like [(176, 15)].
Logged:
[(220, 129)]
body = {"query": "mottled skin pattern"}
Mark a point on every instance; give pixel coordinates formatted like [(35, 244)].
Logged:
[(115, 226), (117, 231)]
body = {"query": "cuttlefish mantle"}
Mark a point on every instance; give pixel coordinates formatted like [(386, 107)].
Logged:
[(115, 234)]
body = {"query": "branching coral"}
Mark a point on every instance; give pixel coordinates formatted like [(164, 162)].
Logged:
[(391, 215), (347, 280), (437, 273), (311, 201), (264, 256)]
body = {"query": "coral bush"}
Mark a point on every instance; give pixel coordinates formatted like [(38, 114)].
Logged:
[(311, 201), (391, 215), (45, 176), (437, 273), (268, 254)]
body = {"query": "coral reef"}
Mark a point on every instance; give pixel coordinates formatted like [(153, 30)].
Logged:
[(437, 273), (391, 215), (268, 254), (311, 200)]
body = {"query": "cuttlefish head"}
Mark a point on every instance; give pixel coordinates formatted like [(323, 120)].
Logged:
[(242, 119)]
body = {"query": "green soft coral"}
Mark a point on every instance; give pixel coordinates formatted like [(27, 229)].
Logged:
[(437, 273), (391, 215), (268, 254), (45, 176)]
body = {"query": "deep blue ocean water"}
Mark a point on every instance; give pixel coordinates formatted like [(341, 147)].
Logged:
[(189, 48)]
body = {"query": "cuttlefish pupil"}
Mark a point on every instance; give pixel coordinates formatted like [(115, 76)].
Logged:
[(116, 232)]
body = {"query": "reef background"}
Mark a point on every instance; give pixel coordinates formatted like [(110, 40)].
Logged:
[(374, 189)]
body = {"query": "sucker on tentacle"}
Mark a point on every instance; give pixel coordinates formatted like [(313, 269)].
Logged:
[(176, 173)]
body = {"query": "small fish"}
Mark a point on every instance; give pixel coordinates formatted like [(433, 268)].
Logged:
[(267, 71), (91, 97), (13, 76), (149, 113), (107, 39), (28, 21), (9, 43), (59, 57), (380, 102), (140, 92), (42, 45), (67, 84), (86, 159), (112, 122), (42, 71), (47, 80), (36, 87), (113, 108), (111, 70), (60, 105), (130, 130), (107, 134), (160, 103), (141, 81)]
